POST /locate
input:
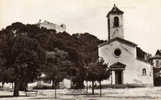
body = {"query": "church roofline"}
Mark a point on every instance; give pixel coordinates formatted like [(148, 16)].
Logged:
[(115, 10), (155, 57), (120, 40), (158, 52)]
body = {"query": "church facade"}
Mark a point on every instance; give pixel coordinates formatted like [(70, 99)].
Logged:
[(128, 63)]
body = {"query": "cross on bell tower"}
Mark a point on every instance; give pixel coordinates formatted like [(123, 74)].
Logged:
[(115, 23)]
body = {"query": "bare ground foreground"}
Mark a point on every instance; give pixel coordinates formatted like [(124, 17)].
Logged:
[(151, 93)]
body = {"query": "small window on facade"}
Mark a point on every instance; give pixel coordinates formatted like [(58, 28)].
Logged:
[(116, 22), (117, 52), (144, 71)]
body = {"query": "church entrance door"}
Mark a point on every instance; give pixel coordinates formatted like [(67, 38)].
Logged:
[(118, 77), (118, 69)]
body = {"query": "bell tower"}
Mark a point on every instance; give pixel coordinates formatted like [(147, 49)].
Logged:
[(115, 23)]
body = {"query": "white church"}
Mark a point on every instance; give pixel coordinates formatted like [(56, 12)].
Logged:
[(128, 63)]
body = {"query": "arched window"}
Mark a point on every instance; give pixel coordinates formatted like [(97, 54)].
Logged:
[(144, 71), (116, 22)]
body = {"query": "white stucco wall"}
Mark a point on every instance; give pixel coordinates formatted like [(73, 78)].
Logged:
[(66, 83), (49, 25), (145, 79), (128, 53), (133, 70), (120, 32)]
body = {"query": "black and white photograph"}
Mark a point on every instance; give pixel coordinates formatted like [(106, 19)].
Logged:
[(80, 49)]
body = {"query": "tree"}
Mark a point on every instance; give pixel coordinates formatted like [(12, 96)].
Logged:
[(97, 71), (57, 66), (87, 49), (102, 72), (6, 75), (26, 59), (81, 48)]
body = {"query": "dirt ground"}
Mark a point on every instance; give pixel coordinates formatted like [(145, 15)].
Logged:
[(151, 93)]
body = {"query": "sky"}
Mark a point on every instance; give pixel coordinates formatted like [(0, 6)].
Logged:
[(142, 18)]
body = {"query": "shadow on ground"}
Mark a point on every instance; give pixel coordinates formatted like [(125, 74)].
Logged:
[(50, 98), (10, 96)]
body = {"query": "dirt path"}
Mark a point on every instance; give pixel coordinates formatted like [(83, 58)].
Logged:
[(153, 93)]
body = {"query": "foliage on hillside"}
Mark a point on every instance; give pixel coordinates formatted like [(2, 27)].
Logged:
[(22, 44)]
